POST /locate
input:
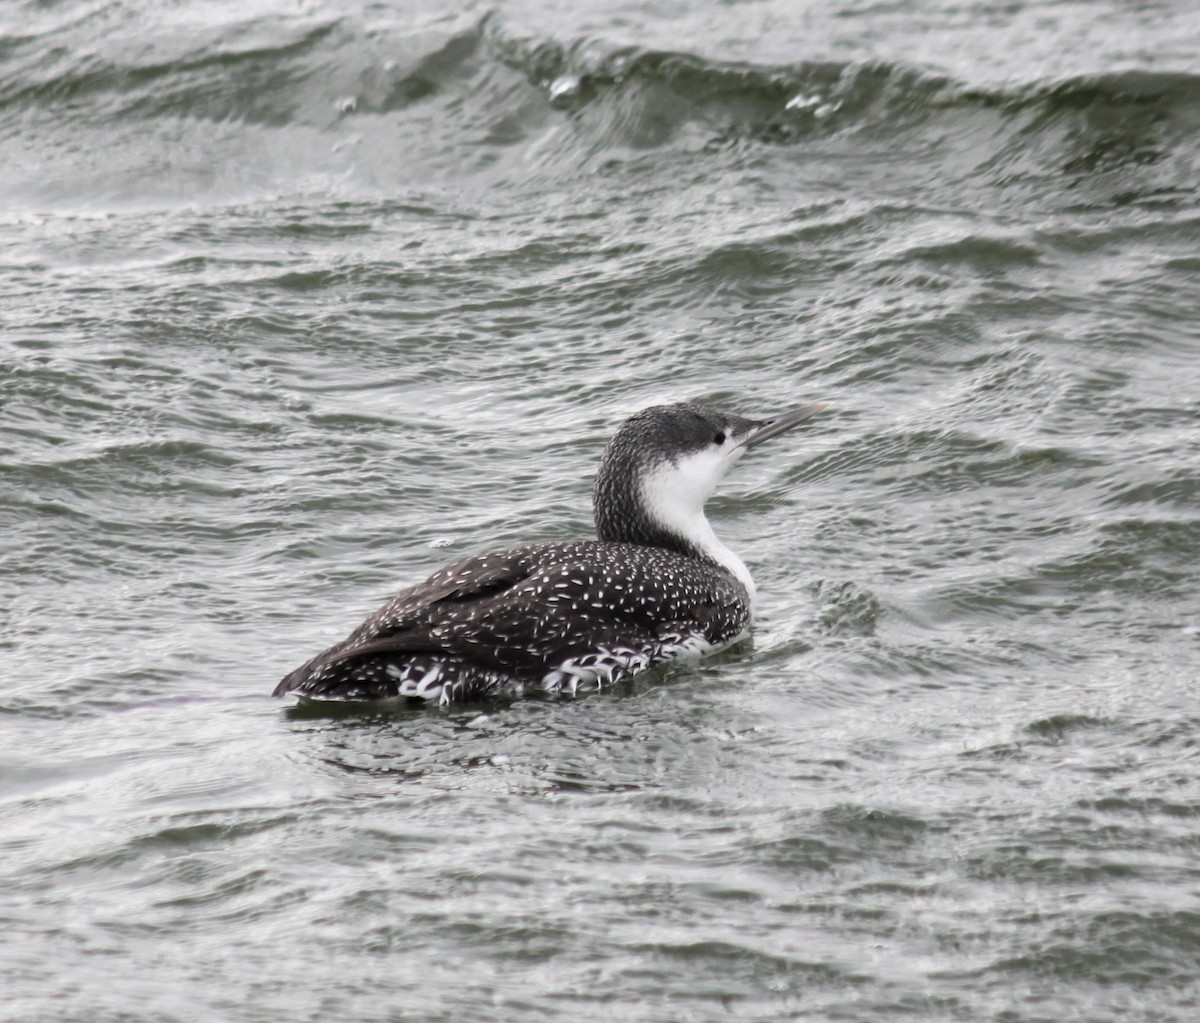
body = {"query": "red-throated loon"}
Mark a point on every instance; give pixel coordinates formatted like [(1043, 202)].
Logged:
[(656, 585)]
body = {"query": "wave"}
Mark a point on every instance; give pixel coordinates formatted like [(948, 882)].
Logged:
[(790, 98), (258, 63), (405, 105), (1070, 129)]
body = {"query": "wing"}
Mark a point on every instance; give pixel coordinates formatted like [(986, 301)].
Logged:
[(527, 612), (587, 598), (402, 624)]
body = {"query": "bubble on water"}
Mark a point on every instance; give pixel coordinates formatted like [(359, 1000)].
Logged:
[(803, 102), (811, 103), (565, 89)]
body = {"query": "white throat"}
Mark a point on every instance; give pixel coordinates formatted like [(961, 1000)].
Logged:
[(675, 496)]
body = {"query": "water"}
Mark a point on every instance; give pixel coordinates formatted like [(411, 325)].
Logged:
[(301, 300)]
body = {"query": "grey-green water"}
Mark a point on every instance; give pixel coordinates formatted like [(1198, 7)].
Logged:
[(299, 301)]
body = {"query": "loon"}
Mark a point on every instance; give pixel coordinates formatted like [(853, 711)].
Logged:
[(655, 586)]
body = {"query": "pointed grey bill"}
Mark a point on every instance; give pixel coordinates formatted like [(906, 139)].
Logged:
[(782, 423)]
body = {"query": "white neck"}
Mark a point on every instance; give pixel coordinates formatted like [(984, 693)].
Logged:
[(675, 499), (701, 534)]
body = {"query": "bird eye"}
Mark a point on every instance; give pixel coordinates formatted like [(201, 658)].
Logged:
[(719, 438)]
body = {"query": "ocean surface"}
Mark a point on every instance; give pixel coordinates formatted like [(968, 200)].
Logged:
[(300, 300)]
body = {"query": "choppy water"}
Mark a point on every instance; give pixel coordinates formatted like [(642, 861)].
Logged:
[(299, 301)]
